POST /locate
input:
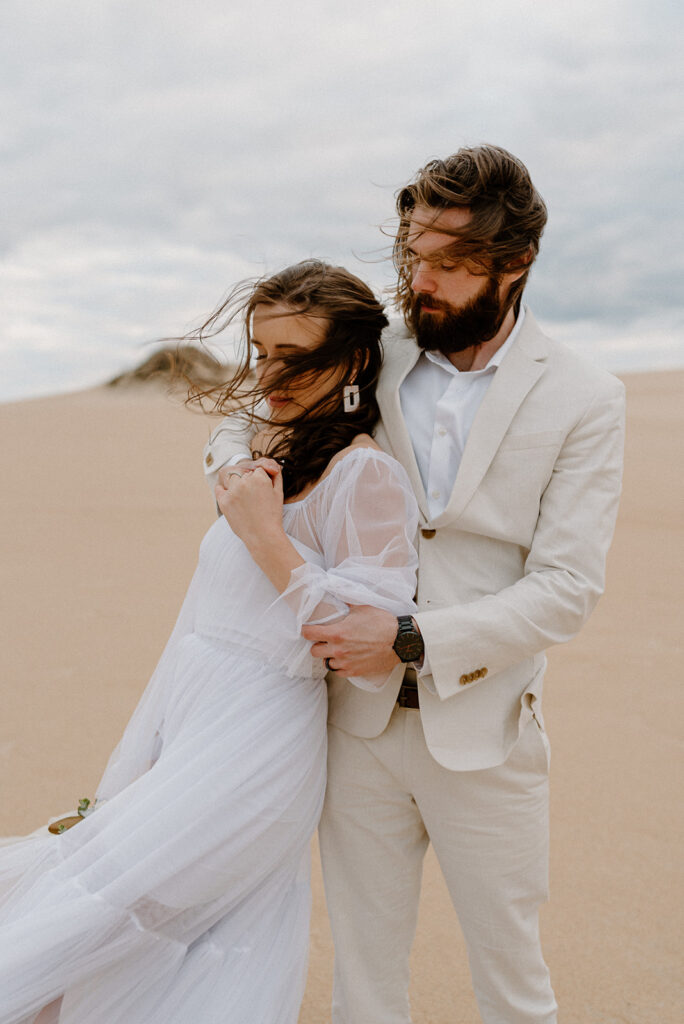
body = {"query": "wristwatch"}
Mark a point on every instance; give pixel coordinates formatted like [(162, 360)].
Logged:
[(408, 644)]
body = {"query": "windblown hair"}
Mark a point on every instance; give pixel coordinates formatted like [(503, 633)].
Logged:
[(350, 352), (507, 216)]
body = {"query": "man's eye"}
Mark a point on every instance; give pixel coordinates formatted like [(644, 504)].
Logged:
[(448, 266), (258, 357)]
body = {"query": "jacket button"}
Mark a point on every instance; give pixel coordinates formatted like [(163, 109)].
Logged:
[(209, 459), (428, 534), (464, 680)]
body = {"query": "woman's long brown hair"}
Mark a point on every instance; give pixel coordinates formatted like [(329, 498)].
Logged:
[(350, 353)]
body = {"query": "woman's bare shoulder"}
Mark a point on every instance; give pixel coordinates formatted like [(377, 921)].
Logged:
[(364, 441), (360, 441)]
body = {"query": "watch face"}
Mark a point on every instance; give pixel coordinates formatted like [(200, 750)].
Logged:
[(409, 647)]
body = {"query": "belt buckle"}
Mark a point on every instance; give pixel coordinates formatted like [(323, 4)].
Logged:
[(402, 697), (408, 696)]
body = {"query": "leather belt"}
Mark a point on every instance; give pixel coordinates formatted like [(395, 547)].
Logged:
[(408, 691)]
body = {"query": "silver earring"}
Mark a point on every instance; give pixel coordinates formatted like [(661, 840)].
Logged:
[(352, 397)]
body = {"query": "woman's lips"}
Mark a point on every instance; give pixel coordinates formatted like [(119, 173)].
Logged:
[(277, 401)]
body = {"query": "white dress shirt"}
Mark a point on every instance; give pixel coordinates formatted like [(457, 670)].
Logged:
[(439, 404)]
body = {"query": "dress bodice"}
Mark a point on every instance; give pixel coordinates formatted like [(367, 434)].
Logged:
[(354, 530)]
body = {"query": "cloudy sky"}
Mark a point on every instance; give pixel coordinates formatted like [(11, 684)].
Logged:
[(152, 153)]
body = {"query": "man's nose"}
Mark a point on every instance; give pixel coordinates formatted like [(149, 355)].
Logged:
[(422, 279)]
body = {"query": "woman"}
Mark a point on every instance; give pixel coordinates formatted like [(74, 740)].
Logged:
[(185, 895)]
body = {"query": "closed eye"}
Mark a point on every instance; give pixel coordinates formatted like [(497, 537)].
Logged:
[(279, 350), (433, 260)]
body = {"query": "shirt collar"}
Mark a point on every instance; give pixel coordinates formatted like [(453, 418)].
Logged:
[(441, 360)]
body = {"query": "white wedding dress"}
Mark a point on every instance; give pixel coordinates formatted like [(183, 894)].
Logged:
[(184, 897)]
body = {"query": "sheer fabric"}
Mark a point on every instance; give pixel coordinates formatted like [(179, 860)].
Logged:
[(185, 895)]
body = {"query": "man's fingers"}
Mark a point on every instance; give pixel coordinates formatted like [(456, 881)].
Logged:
[(319, 634), (322, 651)]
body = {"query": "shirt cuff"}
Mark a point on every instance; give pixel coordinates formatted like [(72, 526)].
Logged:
[(424, 673)]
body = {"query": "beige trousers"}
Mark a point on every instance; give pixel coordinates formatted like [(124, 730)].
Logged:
[(386, 799)]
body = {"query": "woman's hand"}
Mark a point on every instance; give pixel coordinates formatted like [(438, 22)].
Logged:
[(251, 499), (248, 465), (270, 466)]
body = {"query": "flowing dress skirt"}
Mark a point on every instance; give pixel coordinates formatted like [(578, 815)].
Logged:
[(185, 895)]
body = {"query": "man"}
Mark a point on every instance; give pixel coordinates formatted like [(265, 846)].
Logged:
[(513, 446)]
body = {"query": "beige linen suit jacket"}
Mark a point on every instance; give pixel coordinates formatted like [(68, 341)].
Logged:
[(515, 562)]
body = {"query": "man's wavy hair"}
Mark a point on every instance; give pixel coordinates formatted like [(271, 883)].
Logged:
[(350, 352), (503, 233)]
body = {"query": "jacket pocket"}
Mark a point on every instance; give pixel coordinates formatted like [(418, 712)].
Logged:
[(538, 439)]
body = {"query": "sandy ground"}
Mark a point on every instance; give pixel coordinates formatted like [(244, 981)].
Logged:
[(103, 505)]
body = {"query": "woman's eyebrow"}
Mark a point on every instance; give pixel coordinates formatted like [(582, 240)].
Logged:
[(276, 348)]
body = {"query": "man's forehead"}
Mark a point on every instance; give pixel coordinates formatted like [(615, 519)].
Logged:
[(437, 227)]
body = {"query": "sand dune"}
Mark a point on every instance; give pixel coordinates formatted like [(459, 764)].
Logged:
[(103, 506)]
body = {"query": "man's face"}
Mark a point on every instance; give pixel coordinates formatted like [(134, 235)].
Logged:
[(453, 309)]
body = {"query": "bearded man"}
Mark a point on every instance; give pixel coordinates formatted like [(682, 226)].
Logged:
[(514, 446)]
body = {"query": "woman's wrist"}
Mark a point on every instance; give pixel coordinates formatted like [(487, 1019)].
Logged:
[(268, 537), (276, 556)]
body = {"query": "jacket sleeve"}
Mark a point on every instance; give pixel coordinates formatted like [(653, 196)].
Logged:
[(564, 570), (227, 442)]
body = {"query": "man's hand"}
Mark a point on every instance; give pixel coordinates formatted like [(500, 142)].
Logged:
[(358, 645)]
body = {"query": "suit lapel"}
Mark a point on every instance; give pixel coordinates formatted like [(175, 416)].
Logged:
[(520, 369), (401, 355)]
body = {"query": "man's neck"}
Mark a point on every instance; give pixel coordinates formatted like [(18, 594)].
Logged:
[(477, 356)]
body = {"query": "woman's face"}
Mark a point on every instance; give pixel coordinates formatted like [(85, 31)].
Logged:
[(276, 331)]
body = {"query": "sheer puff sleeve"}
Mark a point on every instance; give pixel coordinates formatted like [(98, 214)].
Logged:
[(362, 518)]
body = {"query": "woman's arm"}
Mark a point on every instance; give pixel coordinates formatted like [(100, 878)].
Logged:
[(366, 525), (253, 505)]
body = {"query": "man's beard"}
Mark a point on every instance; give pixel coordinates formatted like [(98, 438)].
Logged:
[(454, 329)]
